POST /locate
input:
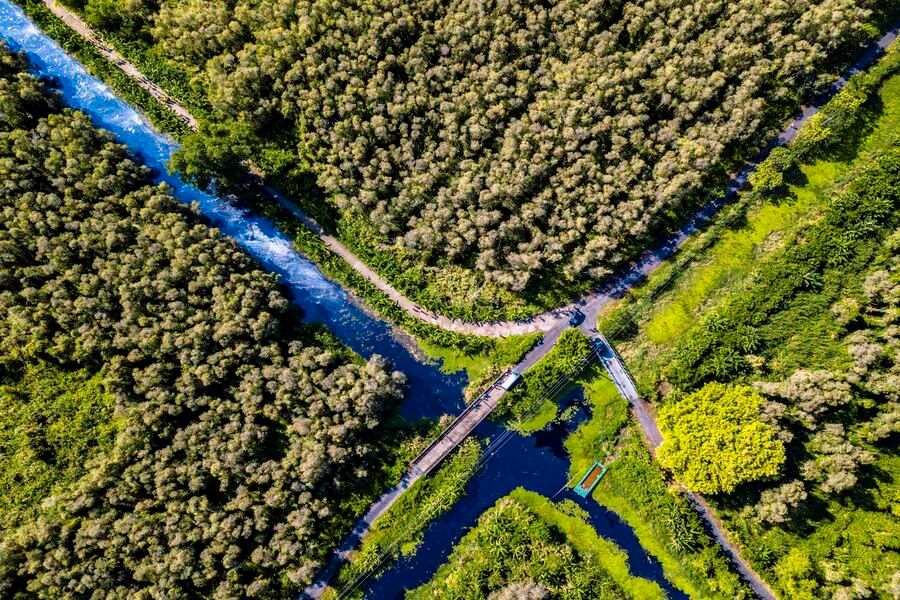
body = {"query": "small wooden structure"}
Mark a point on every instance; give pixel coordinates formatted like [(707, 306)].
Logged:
[(590, 480)]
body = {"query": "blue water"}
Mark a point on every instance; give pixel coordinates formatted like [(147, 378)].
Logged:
[(537, 462)]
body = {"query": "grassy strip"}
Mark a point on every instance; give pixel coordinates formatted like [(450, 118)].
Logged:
[(481, 367), (528, 405), (635, 489), (596, 438), (526, 542), (400, 530), (125, 87), (580, 534)]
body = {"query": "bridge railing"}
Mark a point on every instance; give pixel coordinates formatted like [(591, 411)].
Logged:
[(459, 417)]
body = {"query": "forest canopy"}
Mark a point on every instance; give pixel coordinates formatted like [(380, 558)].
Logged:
[(236, 428), (518, 139)]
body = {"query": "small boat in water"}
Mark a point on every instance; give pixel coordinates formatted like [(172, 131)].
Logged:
[(590, 479)]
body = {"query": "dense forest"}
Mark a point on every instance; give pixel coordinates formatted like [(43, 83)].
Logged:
[(169, 428), (518, 139)]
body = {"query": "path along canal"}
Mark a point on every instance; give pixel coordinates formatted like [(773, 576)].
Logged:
[(536, 462)]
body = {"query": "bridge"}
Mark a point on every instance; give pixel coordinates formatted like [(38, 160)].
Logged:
[(476, 412), (461, 427)]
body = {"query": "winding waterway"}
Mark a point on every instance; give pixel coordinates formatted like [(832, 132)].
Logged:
[(537, 462)]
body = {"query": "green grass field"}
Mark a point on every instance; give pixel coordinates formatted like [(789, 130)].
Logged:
[(847, 540)]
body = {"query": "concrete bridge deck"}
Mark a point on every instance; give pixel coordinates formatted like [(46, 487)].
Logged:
[(458, 431)]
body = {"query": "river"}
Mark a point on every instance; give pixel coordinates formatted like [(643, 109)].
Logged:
[(536, 462)]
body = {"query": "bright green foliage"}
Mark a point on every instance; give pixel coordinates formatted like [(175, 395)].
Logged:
[(531, 395), (769, 175), (809, 310), (52, 423), (239, 432), (526, 538), (714, 439)]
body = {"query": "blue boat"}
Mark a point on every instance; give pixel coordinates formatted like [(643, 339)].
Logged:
[(590, 479)]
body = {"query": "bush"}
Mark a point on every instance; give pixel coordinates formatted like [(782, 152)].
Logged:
[(714, 439)]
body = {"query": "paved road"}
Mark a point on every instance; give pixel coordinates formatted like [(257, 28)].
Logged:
[(623, 382)]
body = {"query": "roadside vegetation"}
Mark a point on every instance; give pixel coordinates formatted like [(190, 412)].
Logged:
[(532, 404), (794, 301), (97, 65), (637, 490), (528, 547), (223, 447), (490, 201)]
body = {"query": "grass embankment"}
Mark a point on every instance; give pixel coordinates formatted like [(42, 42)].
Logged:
[(635, 489), (525, 538), (753, 299), (400, 530), (125, 87)]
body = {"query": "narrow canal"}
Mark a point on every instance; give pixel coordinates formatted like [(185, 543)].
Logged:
[(537, 462)]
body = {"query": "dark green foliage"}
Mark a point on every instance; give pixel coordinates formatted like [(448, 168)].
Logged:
[(218, 150), (519, 139), (240, 429)]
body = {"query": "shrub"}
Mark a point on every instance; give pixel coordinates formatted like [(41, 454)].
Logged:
[(714, 439)]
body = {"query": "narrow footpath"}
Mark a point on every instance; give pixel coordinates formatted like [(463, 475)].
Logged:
[(83, 29)]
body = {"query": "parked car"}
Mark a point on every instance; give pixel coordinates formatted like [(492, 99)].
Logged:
[(576, 319)]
